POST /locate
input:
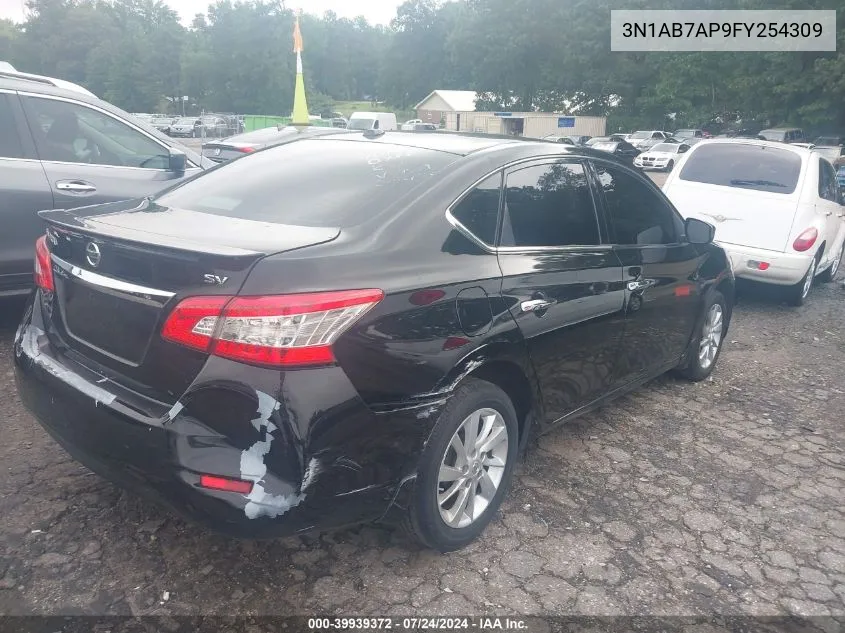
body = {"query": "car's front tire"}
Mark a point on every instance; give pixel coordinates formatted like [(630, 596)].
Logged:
[(670, 166), (466, 467), (707, 346)]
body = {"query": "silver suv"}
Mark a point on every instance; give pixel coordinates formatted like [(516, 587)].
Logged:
[(61, 147)]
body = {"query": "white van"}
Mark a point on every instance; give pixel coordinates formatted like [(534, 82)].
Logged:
[(777, 209), (385, 121)]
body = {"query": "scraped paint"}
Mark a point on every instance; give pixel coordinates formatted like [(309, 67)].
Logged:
[(30, 347), (261, 503)]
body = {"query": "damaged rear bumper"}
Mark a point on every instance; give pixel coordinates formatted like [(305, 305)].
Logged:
[(317, 456)]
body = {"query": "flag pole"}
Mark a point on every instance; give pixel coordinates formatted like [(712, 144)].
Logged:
[(300, 105)]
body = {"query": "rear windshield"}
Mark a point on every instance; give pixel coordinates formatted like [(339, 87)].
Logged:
[(640, 135), (322, 183), (744, 166)]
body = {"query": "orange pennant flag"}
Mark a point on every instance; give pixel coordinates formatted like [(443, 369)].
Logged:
[(297, 37)]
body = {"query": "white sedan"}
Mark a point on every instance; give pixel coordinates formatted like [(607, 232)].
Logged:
[(663, 156)]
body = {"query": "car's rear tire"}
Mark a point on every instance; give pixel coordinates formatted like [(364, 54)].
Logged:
[(709, 340), (828, 275), (459, 488), (797, 295)]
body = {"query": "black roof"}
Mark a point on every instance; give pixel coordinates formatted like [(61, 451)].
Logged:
[(460, 144), (466, 144)]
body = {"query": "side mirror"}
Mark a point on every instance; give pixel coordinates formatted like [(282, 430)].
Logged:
[(177, 161), (698, 231)]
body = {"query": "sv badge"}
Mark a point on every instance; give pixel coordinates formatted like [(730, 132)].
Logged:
[(215, 279)]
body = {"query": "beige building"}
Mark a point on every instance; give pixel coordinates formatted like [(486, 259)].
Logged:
[(456, 109)]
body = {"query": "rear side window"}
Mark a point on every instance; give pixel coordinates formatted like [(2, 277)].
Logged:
[(322, 183), (828, 187), (744, 166), (10, 141), (479, 210), (549, 205)]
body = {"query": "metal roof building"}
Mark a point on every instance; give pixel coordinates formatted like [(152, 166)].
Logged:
[(455, 110)]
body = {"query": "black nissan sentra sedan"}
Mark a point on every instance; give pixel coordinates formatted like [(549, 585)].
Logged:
[(360, 328)]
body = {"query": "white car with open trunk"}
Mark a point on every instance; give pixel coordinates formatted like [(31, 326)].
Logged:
[(776, 207)]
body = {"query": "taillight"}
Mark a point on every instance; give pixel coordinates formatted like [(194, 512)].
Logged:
[(281, 330), (43, 265), (246, 150), (806, 240)]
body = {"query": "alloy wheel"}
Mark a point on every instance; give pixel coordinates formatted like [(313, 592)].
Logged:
[(808, 282), (472, 468), (834, 267), (711, 336)]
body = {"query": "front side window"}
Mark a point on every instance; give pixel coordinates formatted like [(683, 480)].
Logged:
[(638, 215), (479, 209), (549, 205), (73, 133)]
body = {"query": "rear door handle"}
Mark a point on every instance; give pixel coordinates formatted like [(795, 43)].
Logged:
[(640, 284), (75, 186), (535, 305)]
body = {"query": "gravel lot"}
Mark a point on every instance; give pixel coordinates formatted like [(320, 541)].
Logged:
[(724, 497)]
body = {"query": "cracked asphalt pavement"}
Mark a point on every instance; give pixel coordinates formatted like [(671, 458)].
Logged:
[(723, 497)]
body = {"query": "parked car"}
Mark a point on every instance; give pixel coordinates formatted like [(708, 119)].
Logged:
[(662, 156), (783, 135), (249, 142), (195, 127), (776, 208), (162, 123), (644, 139), (835, 154), (689, 133), (186, 127), (283, 356), (830, 141), (840, 177), (425, 127), (408, 126), (384, 121), (61, 147), (623, 150), (557, 138), (690, 141), (340, 122)]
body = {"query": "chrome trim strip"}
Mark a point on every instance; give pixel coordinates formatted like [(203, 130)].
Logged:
[(116, 285), (20, 160)]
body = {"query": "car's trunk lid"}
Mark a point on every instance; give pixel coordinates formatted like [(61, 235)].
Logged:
[(744, 217), (118, 274)]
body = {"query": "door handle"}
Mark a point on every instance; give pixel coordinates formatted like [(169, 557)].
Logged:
[(535, 305), (828, 213), (75, 186), (640, 284)]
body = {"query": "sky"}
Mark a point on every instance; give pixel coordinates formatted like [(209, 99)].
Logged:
[(376, 11)]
